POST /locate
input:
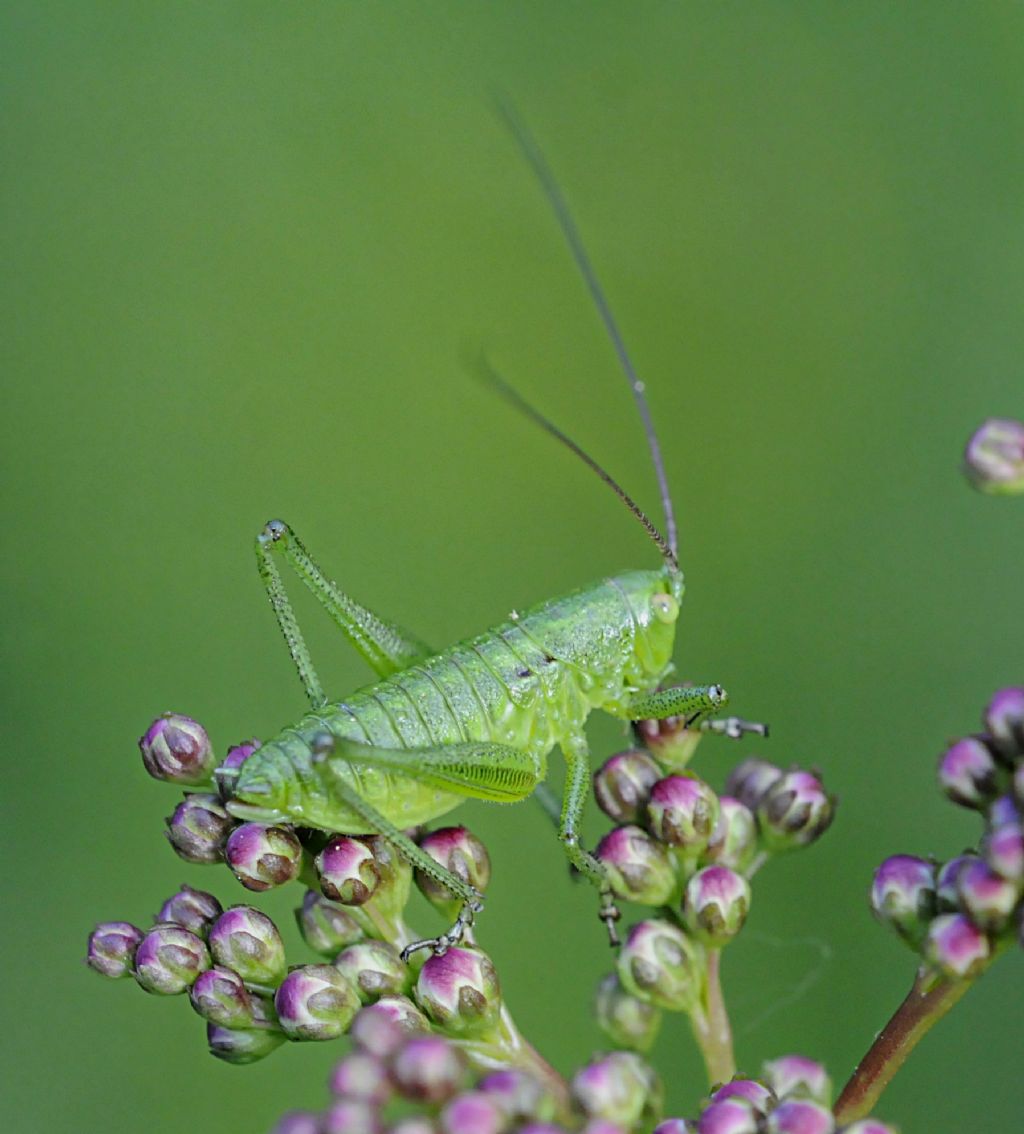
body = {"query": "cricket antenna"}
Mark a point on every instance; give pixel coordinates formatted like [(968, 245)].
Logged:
[(559, 206), (512, 395)]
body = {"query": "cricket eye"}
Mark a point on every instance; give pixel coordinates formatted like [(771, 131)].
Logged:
[(665, 608)]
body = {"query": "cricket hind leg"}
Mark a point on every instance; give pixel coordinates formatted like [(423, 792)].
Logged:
[(387, 647)]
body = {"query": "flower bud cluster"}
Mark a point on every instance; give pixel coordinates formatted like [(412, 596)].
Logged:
[(689, 853), (403, 1078), (793, 1095), (957, 914)]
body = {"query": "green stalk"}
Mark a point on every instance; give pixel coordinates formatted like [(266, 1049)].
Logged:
[(711, 1027)]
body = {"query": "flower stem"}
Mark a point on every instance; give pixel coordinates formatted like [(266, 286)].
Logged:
[(930, 998), (711, 1027)]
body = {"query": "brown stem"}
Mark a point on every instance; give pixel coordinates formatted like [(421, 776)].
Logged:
[(928, 1001)]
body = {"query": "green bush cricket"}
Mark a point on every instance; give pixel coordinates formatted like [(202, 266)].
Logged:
[(479, 718)]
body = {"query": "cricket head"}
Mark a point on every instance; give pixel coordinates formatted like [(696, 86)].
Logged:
[(260, 793), (654, 599)]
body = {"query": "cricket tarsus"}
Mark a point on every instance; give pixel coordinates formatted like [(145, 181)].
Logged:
[(440, 945)]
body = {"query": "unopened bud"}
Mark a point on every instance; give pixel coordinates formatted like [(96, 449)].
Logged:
[(751, 781), (628, 1021), (903, 896), (639, 869), (220, 996), (176, 748), (375, 970), (682, 812), (987, 898), (428, 1069), (715, 904), (797, 1076), (729, 1116), (382, 1028), (193, 909), (757, 1094), (360, 1075), (800, 1116), (994, 457), (262, 856), (620, 1088), (661, 964), (795, 811), (315, 1002), (956, 947), (247, 941), (734, 840), (225, 775), (199, 828), (459, 991), (347, 870), (622, 785), (169, 959), (112, 946), (967, 773), (326, 926), (242, 1045), (472, 1112), (1004, 720), (461, 853)]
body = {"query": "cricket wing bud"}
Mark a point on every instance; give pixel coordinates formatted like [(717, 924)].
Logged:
[(315, 1002), (247, 941), (112, 946), (262, 856), (459, 991), (169, 959), (176, 748)]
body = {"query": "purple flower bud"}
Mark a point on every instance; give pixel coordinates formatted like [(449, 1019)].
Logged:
[(1003, 849), (620, 1087), (176, 748), (795, 811), (733, 842), (315, 1002), (261, 856), (382, 1028), (1004, 809), (220, 996), (751, 781), (242, 1045), (800, 1116), (298, 1122), (326, 926), (459, 991), (543, 1128), (660, 964), (225, 775), (967, 773), (729, 1116), (428, 1069), (628, 1021), (169, 959), (112, 946), (903, 896), (351, 1116), (472, 1112), (360, 1075), (994, 457), (797, 1076), (715, 904), (987, 898), (375, 970), (675, 1126), (461, 853), (639, 869), (518, 1094), (199, 828), (669, 741), (348, 871), (760, 1097), (947, 893), (956, 947), (193, 909), (247, 941), (868, 1126), (682, 812), (414, 1124), (623, 784), (1004, 720)]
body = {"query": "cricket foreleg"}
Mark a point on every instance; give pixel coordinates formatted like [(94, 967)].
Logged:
[(692, 702), (577, 788), (732, 727), (387, 647)]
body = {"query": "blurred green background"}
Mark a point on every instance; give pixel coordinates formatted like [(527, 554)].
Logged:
[(248, 246)]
